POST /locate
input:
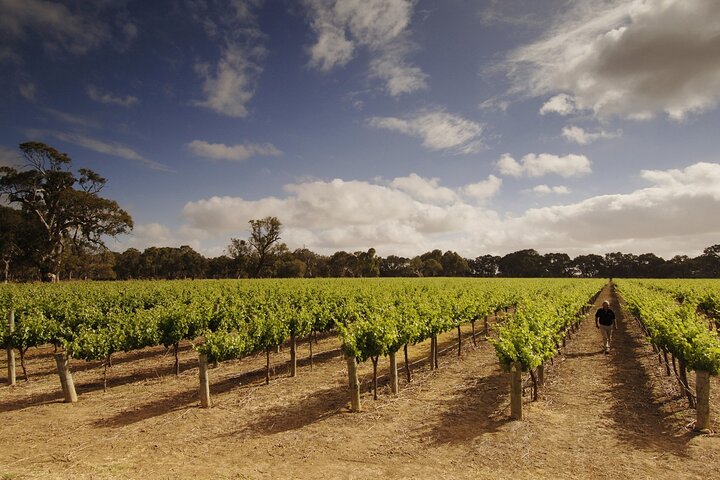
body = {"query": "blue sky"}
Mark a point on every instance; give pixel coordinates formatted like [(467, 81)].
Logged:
[(480, 127)]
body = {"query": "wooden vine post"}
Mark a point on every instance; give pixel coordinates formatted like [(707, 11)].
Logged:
[(204, 382), (393, 373), (293, 355), (702, 389), (516, 405), (10, 352), (354, 384), (66, 380), (433, 352)]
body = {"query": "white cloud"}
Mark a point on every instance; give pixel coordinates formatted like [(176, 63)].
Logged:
[(237, 153), (631, 59), (108, 98), (533, 165), (108, 148), (424, 189), (485, 189), (675, 214), (28, 91), (230, 83), (351, 215), (680, 204), (579, 135), (54, 23), (380, 26), (438, 130), (545, 189), (561, 104)]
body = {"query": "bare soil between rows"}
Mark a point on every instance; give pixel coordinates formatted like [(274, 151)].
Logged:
[(598, 416)]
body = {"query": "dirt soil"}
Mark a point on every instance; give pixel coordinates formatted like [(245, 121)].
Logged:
[(598, 416)]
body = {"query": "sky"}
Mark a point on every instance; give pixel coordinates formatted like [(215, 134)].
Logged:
[(482, 127)]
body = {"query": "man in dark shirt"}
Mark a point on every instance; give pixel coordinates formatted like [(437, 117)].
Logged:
[(605, 321)]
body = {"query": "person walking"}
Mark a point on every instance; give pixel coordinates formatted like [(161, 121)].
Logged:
[(605, 321)]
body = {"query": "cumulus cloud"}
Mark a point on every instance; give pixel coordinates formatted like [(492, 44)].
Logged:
[(438, 130), (424, 189), (114, 149), (409, 215), (632, 59), (561, 104), (397, 215), (545, 189), (532, 165), (678, 204), (236, 153), (579, 135), (379, 26), (108, 98), (485, 189)]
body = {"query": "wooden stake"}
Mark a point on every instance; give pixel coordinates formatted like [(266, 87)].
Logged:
[(66, 380), (204, 382), (433, 339), (702, 389), (267, 366), (408, 374), (541, 375), (374, 362), (436, 350), (354, 384), (459, 341), (393, 373), (293, 355), (516, 406), (473, 333), (10, 352)]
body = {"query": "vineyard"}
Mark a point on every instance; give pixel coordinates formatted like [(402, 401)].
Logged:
[(316, 330)]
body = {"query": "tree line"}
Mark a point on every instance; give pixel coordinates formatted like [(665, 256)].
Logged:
[(54, 221)]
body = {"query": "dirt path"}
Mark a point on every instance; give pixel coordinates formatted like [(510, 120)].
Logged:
[(598, 417)]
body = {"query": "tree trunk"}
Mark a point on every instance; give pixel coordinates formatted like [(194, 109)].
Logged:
[(684, 383), (408, 374), (176, 347), (66, 380), (541, 375), (204, 382), (667, 363), (436, 350), (267, 366), (702, 388), (374, 362), (516, 410), (22, 363), (7, 269), (534, 385), (10, 352), (354, 384), (393, 373), (486, 326), (293, 355)]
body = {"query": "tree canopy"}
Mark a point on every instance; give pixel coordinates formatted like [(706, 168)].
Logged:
[(65, 207)]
